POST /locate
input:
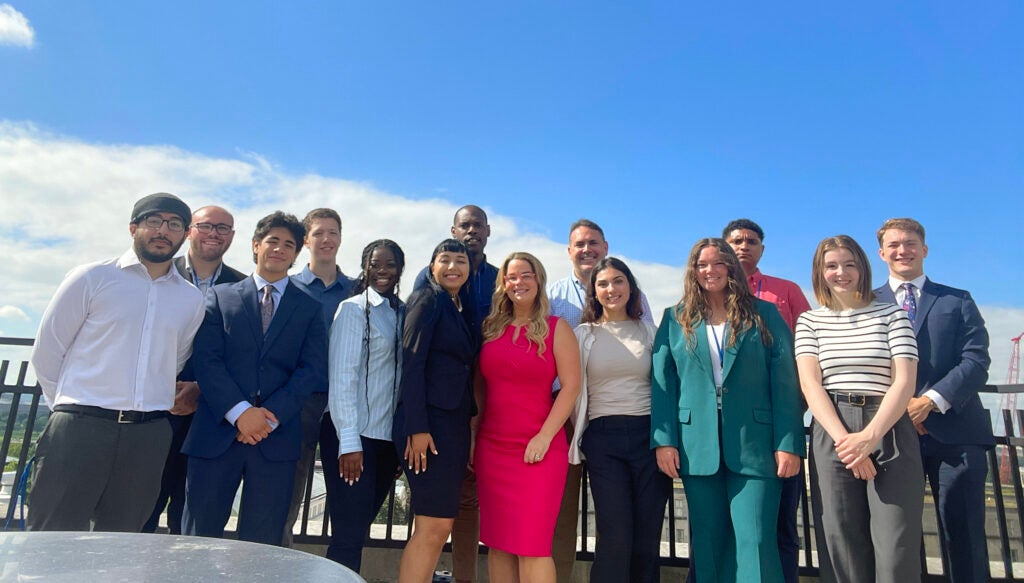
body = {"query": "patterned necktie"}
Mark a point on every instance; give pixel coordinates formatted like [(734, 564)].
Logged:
[(267, 306), (909, 301)]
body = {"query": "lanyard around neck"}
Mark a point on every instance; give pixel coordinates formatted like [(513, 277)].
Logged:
[(718, 344)]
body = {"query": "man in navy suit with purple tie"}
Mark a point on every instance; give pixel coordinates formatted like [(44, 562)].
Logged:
[(955, 430), (260, 352)]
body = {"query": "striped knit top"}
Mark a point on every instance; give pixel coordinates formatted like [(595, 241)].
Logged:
[(855, 348)]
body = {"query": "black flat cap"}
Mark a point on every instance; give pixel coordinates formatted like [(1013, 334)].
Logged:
[(161, 202)]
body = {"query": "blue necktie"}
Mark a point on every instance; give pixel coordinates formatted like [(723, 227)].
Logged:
[(909, 301)]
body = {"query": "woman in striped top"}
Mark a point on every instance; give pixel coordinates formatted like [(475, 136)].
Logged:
[(364, 366), (857, 363)]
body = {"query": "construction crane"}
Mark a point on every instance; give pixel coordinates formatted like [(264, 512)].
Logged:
[(1010, 404)]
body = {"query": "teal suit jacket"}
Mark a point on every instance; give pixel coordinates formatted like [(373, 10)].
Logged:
[(761, 411)]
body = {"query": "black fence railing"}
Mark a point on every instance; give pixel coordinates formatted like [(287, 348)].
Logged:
[(24, 418)]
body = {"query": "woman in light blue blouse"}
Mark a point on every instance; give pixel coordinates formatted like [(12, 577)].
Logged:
[(364, 366)]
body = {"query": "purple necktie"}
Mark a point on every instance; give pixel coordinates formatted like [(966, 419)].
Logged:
[(267, 306), (909, 301)]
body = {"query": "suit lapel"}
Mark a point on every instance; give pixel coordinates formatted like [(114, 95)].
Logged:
[(250, 303), (924, 304), (703, 349), (885, 294), (281, 316)]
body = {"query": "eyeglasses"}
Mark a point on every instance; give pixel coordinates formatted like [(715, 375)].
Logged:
[(154, 222), (221, 228), (522, 277)]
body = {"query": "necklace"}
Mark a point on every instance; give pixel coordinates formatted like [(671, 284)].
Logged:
[(457, 302)]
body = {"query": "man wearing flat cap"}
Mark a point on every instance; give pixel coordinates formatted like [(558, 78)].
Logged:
[(109, 347)]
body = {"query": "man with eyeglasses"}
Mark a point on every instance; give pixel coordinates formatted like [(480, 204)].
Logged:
[(210, 236), (213, 229), (109, 347)]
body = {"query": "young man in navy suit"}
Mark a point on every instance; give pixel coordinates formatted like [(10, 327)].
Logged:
[(955, 430), (260, 352)]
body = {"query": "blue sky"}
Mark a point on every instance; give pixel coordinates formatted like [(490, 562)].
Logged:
[(661, 121)]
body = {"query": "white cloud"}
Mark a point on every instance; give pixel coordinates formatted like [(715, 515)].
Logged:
[(67, 202), (14, 28), (12, 312), (64, 202)]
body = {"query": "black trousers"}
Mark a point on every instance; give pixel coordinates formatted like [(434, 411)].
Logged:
[(353, 507), (630, 495)]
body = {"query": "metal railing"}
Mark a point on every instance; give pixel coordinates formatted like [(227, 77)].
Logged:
[(24, 419)]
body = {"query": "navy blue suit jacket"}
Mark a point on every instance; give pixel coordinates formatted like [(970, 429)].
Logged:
[(952, 345), (234, 362), (439, 351)]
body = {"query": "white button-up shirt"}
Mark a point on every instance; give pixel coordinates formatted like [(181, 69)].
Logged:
[(114, 337), (362, 400)]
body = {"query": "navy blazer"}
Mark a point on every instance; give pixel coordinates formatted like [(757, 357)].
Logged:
[(235, 362), (227, 275), (439, 348), (952, 345)]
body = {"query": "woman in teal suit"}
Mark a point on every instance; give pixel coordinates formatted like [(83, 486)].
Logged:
[(726, 415)]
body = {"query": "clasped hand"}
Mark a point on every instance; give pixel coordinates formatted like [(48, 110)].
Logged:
[(854, 449), (254, 425)]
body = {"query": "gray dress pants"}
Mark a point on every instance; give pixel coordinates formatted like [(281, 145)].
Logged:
[(872, 528)]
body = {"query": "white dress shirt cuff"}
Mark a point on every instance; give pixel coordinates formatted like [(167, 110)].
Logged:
[(235, 412), (938, 399), (349, 441)]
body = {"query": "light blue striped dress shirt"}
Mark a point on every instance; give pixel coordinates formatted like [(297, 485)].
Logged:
[(363, 402)]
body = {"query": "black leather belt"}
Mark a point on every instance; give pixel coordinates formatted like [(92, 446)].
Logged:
[(113, 415), (855, 399)]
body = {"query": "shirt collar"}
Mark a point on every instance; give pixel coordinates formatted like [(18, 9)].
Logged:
[(279, 285), (374, 298), (895, 283), (191, 270), (576, 281), (307, 276), (130, 260)]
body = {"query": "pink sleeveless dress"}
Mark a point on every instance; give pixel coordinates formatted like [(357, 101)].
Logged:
[(518, 501)]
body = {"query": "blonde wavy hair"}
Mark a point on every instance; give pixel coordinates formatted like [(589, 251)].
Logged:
[(501, 306)]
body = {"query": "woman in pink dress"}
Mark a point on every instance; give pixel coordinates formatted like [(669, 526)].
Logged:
[(522, 455)]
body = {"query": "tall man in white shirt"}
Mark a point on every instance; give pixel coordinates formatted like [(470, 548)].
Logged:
[(109, 347), (955, 430), (587, 246)]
